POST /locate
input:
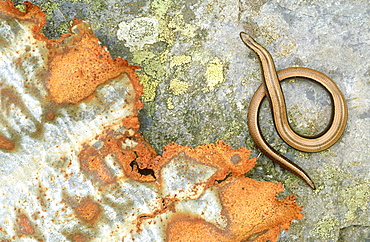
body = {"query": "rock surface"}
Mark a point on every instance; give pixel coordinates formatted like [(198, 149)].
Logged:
[(198, 79), (75, 168)]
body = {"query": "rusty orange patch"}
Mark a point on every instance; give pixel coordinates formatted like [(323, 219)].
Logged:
[(88, 211), (137, 162), (253, 211), (91, 162), (79, 238), (131, 123), (6, 144), (25, 225), (185, 228), (219, 155), (32, 14), (78, 64), (253, 208)]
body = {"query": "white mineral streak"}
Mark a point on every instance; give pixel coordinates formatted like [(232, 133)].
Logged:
[(48, 161)]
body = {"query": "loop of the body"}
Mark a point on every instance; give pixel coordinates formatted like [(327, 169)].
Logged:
[(272, 89)]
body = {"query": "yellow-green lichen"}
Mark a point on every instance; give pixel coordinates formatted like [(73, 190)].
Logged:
[(160, 7), (180, 60), (170, 103), (155, 68), (150, 87), (140, 56), (64, 27), (179, 25), (178, 87), (210, 7), (168, 28), (355, 198), (96, 5), (96, 25), (153, 65), (21, 7), (49, 7), (292, 181), (214, 74), (325, 227), (164, 33), (332, 173), (150, 108), (158, 66), (232, 131)]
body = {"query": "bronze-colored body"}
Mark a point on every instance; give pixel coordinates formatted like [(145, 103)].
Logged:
[(272, 89)]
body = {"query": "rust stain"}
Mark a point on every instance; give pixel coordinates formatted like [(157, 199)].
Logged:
[(219, 155), (253, 211), (131, 123), (11, 101), (92, 163), (88, 211), (136, 160), (78, 64), (252, 207), (79, 238), (50, 116), (25, 225), (6, 144), (32, 14), (190, 229)]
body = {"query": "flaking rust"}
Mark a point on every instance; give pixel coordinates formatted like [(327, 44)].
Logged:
[(75, 168)]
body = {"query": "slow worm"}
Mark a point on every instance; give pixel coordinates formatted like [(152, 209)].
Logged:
[(272, 89)]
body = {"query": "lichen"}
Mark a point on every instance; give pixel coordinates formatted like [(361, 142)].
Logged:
[(71, 77), (214, 74), (48, 8), (160, 7), (96, 5), (355, 199), (150, 87), (64, 27), (180, 60), (139, 32), (21, 7), (170, 103), (153, 64), (178, 87), (178, 25), (141, 56), (325, 226)]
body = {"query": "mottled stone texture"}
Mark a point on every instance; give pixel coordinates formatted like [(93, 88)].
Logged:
[(198, 79), (74, 167)]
